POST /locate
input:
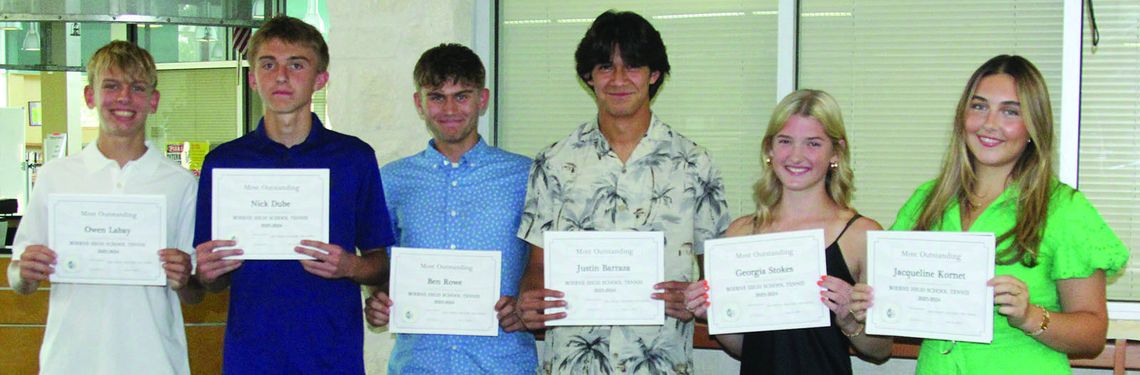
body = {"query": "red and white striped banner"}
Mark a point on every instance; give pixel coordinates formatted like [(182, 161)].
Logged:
[(240, 39)]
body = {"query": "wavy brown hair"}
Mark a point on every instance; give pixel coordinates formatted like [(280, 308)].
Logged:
[(1032, 173), (839, 183)]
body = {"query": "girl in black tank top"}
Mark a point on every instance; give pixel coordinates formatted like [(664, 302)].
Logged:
[(807, 183)]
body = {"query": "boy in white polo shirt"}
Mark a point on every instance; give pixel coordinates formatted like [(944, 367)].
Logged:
[(100, 328)]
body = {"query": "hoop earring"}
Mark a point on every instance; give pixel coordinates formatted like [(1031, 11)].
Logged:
[(834, 165), (768, 161)]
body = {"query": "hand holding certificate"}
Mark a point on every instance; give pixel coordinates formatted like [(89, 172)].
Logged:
[(765, 282), (107, 239), (607, 277), (931, 285), (269, 211), (444, 291)]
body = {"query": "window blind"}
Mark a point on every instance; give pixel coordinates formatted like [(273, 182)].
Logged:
[(196, 105), (897, 69), (1109, 166), (719, 93)]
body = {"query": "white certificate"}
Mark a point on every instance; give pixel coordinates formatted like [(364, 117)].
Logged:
[(766, 282), (444, 291), (107, 239), (269, 211), (931, 285), (607, 277)]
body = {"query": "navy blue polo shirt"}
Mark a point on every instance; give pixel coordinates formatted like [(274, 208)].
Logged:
[(283, 319)]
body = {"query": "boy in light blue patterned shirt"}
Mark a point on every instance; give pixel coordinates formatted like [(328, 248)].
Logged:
[(462, 194)]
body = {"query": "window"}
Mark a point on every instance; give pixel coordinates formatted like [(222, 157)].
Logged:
[(719, 93), (1109, 167), (897, 69)]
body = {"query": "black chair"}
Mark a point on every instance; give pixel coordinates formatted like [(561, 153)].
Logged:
[(8, 209)]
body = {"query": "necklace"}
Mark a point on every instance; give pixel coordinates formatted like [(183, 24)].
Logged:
[(976, 201)]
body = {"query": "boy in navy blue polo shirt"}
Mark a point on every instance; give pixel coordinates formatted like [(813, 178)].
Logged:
[(297, 317)]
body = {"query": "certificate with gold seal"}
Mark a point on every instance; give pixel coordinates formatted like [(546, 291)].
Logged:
[(766, 282), (450, 292), (607, 277), (931, 285), (107, 239)]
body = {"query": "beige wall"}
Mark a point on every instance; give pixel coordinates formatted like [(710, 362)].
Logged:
[(23, 88), (373, 47)]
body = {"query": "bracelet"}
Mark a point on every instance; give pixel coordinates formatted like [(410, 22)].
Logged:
[(857, 332), (1044, 322)]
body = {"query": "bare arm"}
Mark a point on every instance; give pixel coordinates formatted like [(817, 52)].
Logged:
[(19, 284), (332, 262), (1079, 329), (213, 271), (176, 264), (36, 264), (853, 319), (733, 344), (533, 275), (192, 293), (532, 294)]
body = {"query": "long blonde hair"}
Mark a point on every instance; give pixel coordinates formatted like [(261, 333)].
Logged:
[(839, 182), (1032, 173)]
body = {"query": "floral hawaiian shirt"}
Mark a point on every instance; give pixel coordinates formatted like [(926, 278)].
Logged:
[(669, 184)]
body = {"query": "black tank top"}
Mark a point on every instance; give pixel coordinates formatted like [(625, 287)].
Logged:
[(820, 350)]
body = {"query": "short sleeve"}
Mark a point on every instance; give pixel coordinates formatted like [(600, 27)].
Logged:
[(910, 210), (1080, 240), (184, 238), (374, 228), (537, 215), (711, 218), (202, 206), (391, 201)]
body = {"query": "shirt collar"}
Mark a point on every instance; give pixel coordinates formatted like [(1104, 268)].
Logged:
[(316, 133), (475, 155), (658, 131), (94, 160)]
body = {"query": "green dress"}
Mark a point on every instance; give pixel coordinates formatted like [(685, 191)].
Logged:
[(1076, 242)]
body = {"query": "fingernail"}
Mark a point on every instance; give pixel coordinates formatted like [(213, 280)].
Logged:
[(821, 299), (820, 283)]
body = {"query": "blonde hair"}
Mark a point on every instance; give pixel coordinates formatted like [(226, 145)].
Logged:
[(839, 182), (131, 60), (1032, 173)]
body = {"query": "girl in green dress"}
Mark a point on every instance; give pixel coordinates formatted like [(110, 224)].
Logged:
[(1054, 250)]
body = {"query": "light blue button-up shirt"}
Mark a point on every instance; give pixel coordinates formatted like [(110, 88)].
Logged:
[(474, 204)]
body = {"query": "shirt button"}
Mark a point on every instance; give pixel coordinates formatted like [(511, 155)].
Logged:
[(452, 246), (453, 347), (453, 213), (455, 165), (454, 183)]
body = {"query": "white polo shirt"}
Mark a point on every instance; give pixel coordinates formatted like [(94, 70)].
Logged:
[(113, 329)]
